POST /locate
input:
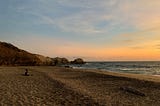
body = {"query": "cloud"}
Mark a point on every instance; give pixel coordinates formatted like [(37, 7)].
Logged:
[(140, 14), (86, 16), (83, 22), (88, 4), (137, 47), (157, 46), (124, 25), (139, 38), (124, 14)]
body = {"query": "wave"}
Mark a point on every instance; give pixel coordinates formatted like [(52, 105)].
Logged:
[(149, 68)]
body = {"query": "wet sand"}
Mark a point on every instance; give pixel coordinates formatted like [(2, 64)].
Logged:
[(55, 86)]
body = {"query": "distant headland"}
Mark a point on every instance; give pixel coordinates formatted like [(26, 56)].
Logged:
[(11, 55)]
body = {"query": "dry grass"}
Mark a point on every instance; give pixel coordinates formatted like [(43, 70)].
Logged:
[(70, 87)]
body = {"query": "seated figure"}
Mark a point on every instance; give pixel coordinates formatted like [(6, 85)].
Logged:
[(26, 73)]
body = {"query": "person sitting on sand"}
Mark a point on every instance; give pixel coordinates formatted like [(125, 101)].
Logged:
[(26, 73)]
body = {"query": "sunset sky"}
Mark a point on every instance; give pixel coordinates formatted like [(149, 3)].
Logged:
[(96, 30)]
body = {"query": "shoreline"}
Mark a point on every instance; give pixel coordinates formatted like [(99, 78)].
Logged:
[(132, 67), (147, 77)]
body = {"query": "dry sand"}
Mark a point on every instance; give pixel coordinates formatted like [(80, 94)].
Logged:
[(55, 86)]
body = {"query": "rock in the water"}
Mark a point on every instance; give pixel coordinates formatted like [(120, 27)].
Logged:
[(59, 61), (67, 67), (78, 61)]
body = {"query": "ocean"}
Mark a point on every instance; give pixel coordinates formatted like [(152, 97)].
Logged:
[(147, 67)]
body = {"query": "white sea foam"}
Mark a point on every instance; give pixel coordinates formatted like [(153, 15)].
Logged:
[(149, 68)]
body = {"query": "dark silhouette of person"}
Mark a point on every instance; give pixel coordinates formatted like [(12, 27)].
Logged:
[(56, 62), (26, 73)]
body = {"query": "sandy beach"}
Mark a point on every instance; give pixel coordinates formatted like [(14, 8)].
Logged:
[(57, 86)]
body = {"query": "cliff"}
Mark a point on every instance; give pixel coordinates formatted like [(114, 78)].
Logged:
[(10, 55)]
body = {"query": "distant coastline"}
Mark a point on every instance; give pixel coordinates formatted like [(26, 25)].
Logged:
[(11, 55)]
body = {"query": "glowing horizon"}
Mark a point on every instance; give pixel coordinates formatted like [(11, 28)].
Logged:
[(103, 30)]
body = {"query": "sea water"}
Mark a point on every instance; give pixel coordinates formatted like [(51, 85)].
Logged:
[(147, 67)]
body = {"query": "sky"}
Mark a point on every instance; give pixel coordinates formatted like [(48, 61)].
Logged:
[(95, 30)]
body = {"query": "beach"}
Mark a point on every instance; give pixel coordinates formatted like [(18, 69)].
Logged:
[(59, 86)]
